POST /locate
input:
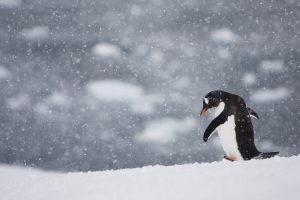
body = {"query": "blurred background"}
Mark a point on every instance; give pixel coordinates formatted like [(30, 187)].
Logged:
[(98, 84)]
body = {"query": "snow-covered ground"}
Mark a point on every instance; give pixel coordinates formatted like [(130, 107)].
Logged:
[(276, 178)]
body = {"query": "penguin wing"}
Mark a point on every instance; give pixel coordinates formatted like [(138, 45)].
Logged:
[(252, 113), (221, 119)]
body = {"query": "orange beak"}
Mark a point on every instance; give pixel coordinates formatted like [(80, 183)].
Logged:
[(203, 111)]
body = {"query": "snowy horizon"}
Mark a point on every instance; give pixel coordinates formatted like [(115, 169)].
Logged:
[(276, 178)]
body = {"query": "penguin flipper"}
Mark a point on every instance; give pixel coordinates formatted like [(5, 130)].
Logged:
[(214, 125), (252, 113), (266, 155)]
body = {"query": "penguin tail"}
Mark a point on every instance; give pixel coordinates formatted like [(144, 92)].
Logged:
[(265, 155)]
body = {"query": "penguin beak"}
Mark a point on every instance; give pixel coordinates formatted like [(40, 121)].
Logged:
[(203, 111)]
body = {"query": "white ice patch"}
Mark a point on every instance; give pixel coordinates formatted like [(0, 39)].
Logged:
[(145, 104), (37, 33), (157, 57), (270, 95), (114, 90), (165, 130), (224, 35), (181, 83), (224, 53), (41, 108), (18, 101), (249, 79), (122, 92), (4, 73), (10, 3), (58, 98), (272, 66), (106, 50), (136, 10)]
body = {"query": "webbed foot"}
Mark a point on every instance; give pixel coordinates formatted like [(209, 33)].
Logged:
[(230, 158)]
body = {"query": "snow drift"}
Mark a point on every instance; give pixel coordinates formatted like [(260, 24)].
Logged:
[(276, 178)]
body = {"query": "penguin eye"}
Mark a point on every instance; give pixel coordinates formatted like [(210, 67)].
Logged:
[(206, 100)]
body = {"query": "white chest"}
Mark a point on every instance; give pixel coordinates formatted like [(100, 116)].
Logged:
[(227, 136)]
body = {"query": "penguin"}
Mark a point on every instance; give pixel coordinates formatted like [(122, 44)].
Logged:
[(234, 126)]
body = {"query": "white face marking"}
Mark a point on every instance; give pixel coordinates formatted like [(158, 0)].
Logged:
[(206, 100), (220, 108), (227, 137)]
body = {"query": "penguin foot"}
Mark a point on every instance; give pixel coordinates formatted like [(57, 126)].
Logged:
[(230, 158)]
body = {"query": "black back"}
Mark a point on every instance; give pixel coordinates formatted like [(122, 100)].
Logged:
[(245, 133)]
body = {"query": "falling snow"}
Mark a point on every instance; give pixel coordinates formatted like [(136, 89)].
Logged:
[(96, 85)]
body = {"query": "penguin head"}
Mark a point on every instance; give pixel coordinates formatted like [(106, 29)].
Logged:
[(212, 100)]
